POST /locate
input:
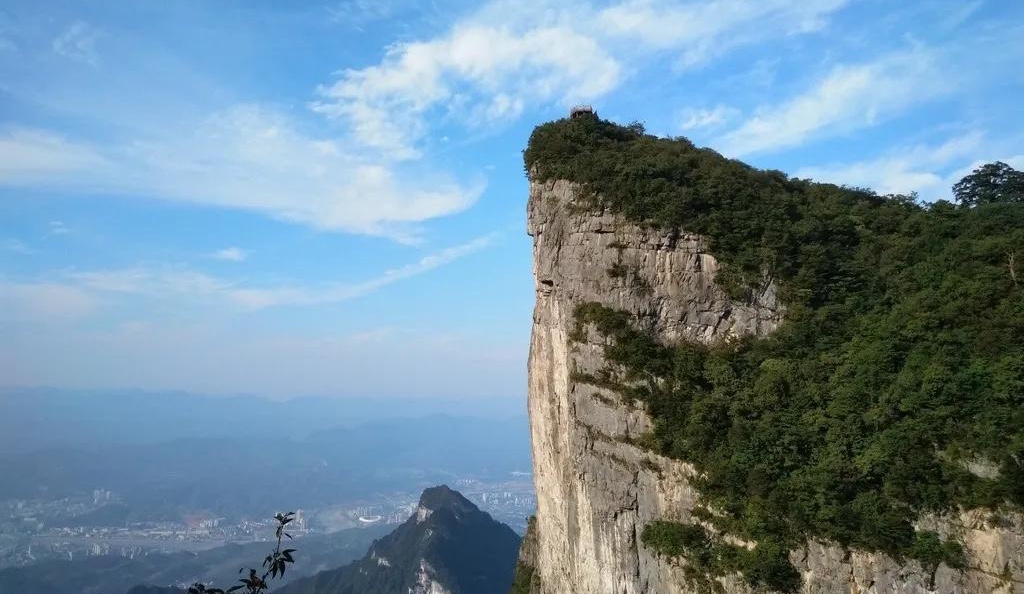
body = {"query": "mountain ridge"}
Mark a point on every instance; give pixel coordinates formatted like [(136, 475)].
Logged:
[(447, 546)]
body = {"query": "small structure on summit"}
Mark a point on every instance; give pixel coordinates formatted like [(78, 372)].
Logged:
[(581, 110)]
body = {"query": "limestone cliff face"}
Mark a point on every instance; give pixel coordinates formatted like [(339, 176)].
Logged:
[(596, 491)]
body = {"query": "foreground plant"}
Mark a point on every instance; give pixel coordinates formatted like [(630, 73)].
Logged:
[(274, 566)]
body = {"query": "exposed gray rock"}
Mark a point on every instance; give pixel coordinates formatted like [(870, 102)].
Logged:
[(596, 491)]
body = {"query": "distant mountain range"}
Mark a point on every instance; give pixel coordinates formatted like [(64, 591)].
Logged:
[(161, 481), (43, 418), (448, 546), (114, 575)]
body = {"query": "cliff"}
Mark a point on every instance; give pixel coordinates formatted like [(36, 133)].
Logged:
[(600, 482)]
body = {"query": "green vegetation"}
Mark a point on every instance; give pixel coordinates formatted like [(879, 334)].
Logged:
[(274, 566), (526, 580), (990, 184), (901, 357), (618, 270), (522, 580), (930, 550), (708, 557)]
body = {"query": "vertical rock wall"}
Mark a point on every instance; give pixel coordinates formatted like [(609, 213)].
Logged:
[(596, 491)]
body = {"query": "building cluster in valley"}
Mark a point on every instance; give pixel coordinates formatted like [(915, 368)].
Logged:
[(33, 530)]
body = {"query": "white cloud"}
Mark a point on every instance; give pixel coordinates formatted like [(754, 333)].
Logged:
[(178, 284), (231, 254), (30, 157), (259, 298), (491, 66), (928, 170), (960, 12), (15, 246), (58, 228), (702, 29), (1015, 161), (155, 282), (850, 97), (251, 158), (78, 42), (476, 72), (487, 68), (698, 119)]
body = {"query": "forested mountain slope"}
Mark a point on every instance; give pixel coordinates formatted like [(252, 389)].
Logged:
[(739, 379)]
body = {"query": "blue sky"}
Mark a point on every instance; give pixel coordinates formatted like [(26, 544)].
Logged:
[(291, 198)]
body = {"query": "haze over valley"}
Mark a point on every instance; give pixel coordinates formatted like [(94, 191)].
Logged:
[(511, 297), (163, 484)]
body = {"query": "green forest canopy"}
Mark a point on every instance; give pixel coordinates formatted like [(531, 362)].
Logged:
[(900, 362)]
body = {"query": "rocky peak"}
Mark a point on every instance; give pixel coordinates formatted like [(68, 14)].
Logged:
[(447, 546), (444, 498)]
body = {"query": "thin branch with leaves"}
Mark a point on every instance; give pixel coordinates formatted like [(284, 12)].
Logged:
[(274, 565)]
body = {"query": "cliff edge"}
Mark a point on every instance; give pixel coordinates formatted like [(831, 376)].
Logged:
[(599, 480)]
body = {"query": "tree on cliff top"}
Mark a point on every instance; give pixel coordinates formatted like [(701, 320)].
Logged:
[(900, 360), (991, 183)]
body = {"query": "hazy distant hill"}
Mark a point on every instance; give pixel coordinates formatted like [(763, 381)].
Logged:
[(115, 575), (447, 546), (39, 418), (164, 479)]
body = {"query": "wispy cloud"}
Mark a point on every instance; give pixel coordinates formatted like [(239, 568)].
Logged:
[(928, 170), (258, 298), (702, 30), (78, 42), (167, 282), (960, 12), (57, 228), (700, 119), (177, 283), (251, 158), (849, 97), (30, 157), (360, 12), (231, 254), (15, 246), (1013, 160), (509, 56), (477, 72), (368, 175)]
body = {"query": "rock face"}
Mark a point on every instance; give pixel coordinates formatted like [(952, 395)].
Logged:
[(596, 491)]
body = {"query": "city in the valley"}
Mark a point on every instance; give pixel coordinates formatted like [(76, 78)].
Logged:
[(33, 530)]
